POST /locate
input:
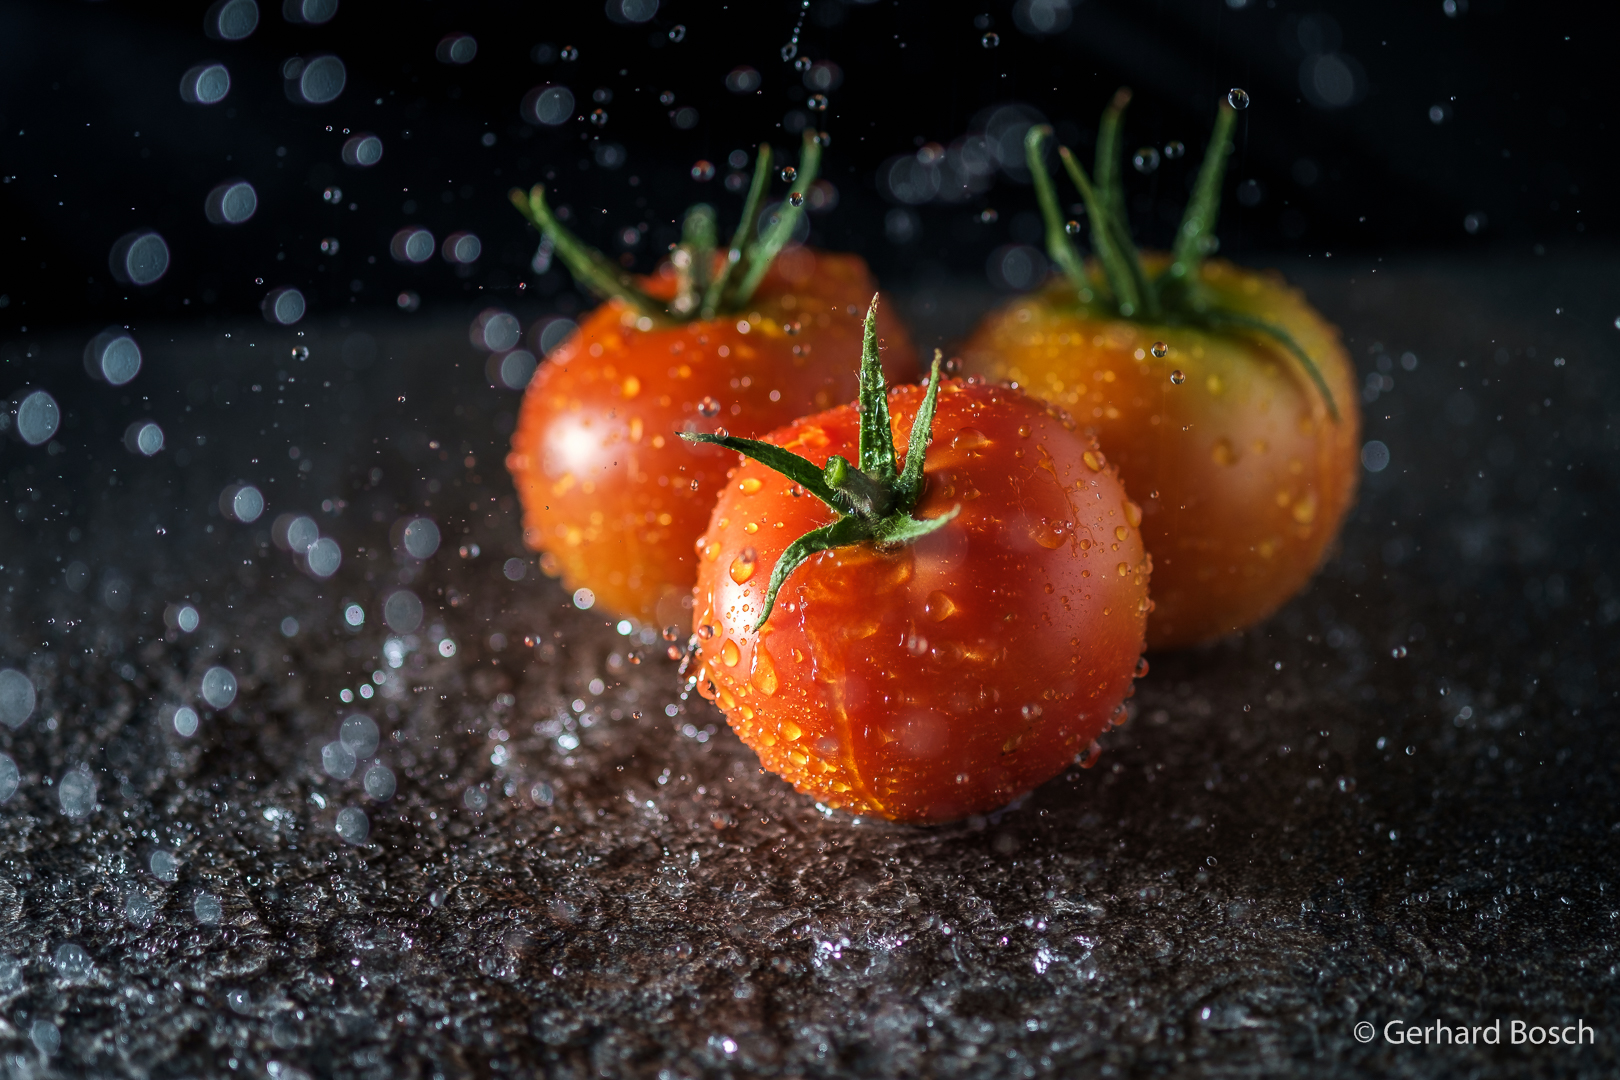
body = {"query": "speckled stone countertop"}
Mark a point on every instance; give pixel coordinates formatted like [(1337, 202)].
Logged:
[(1396, 800)]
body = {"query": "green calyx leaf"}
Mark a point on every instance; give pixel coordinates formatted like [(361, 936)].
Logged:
[(702, 293), (1176, 296), (874, 501)]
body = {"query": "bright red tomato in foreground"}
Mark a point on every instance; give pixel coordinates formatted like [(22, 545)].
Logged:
[(947, 676)]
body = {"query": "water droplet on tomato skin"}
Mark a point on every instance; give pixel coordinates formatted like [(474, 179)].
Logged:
[(969, 439), (1160, 349), (1031, 711), (939, 606), (729, 653), (743, 566), (1141, 668), (1090, 755), (1178, 376)]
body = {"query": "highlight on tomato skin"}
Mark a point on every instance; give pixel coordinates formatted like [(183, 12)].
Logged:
[(949, 675), (611, 496)]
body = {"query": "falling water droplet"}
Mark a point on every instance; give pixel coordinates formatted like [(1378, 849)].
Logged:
[(1160, 349), (1072, 228), (1146, 159), (818, 102), (599, 117), (1174, 149), (1178, 376), (703, 171), (990, 40), (789, 173), (1238, 99), (797, 198), (709, 407)]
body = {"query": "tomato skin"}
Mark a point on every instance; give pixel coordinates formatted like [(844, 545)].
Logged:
[(946, 677), (610, 494), (1243, 476)]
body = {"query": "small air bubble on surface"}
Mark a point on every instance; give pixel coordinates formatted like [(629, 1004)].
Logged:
[(71, 962), (138, 909), (46, 1037), (208, 909)]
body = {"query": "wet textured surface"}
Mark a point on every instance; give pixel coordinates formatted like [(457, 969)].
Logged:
[(1396, 799)]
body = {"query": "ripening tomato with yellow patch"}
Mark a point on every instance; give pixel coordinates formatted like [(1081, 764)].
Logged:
[(1228, 403), (928, 638), (745, 340)]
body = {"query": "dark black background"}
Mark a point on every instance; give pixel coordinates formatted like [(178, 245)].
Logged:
[(1522, 142)]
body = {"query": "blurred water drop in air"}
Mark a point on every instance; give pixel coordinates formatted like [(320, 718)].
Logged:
[(231, 20), (310, 12), (456, 49), (294, 532), (164, 866), (412, 245), (631, 11), (9, 777), (46, 1037), (495, 331), (231, 203), (353, 825), (324, 557), (462, 247), (241, 502), (553, 333), (402, 611), (317, 81), (362, 151), (513, 370), (338, 760), (354, 615), (1238, 99), (31, 415), (143, 437), (359, 734), (17, 698), (548, 105), (139, 258), (205, 84), (185, 721), (379, 783), (420, 537), (76, 792), (112, 356), (218, 687), (283, 306)]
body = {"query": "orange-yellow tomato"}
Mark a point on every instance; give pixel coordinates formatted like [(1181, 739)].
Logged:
[(611, 494), (1242, 474), (947, 676)]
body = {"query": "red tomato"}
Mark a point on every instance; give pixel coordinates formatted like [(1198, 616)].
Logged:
[(610, 494), (943, 677)]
